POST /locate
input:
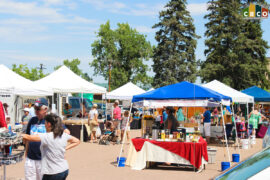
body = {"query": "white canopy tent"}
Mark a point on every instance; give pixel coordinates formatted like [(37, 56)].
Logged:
[(64, 80), (15, 88), (125, 92), (236, 96), (13, 83)]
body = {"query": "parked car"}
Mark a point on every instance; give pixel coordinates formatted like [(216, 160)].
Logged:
[(76, 102), (101, 110)]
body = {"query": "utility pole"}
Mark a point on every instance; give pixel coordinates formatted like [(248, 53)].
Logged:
[(41, 67), (110, 77)]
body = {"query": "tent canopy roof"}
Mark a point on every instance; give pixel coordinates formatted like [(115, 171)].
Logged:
[(11, 82), (259, 94), (64, 80), (125, 92), (236, 96), (182, 90)]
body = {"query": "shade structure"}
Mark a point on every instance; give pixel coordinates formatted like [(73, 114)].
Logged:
[(236, 96), (125, 92), (183, 90), (64, 80), (13, 83), (259, 94)]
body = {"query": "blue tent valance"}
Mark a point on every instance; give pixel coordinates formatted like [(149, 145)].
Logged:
[(259, 94), (182, 90)]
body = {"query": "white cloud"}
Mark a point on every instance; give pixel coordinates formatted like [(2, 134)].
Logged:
[(144, 29), (31, 21), (140, 9), (106, 4), (197, 8), (28, 9)]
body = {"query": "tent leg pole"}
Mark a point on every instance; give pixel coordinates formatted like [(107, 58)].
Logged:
[(236, 131), (224, 127), (124, 138), (248, 121), (82, 120)]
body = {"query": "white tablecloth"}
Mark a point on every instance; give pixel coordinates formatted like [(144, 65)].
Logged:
[(150, 152), (215, 131)]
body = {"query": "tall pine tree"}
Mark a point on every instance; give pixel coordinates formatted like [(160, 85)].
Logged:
[(174, 57), (235, 53)]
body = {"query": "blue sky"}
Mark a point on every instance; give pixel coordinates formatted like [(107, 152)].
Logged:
[(49, 31)]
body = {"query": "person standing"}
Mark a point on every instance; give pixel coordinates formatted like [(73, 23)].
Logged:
[(32, 167), (25, 119), (32, 110), (215, 113), (126, 126), (254, 118), (207, 124), (171, 123), (164, 114), (53, 148), (117, 119), (93, 122), (180, 116)]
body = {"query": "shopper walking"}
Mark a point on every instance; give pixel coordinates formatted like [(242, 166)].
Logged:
[(93, 122)]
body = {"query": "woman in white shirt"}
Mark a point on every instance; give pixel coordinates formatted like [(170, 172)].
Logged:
[(93, 122), (53, 146)]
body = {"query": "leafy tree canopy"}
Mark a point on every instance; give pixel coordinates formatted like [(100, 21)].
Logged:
[(124, 51), (29, 73)]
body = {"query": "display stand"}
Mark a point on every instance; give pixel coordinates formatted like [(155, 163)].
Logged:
[(147, 122), (7, 140)]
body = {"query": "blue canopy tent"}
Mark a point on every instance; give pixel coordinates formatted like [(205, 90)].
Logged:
[(183, 94), (259, 94), (183, 90)]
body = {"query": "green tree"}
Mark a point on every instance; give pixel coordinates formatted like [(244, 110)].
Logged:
[(29, 73), (174, 57), (73, 65), (123, 51), (235, 53)]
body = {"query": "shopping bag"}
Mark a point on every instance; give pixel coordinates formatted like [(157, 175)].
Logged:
[(98, 132)]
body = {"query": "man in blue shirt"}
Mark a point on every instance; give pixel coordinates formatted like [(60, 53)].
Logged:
[(164, 114), (35, 125), (207, 124)]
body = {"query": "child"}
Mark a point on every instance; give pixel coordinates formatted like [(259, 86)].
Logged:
[(242, 127), (123, 126)]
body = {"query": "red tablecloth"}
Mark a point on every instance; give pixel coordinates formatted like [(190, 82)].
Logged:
[(183, 149)]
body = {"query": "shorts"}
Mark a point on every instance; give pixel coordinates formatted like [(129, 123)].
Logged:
[(93, 128), (207, 129), (117, 124), (123, 128)]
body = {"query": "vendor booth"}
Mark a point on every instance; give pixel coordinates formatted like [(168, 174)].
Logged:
[(261, 97), (125, 94), (14, 89), (183, 147), (65, 81), (237, 97)]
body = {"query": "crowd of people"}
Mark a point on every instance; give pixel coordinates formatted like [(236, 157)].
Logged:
[(46, 140)]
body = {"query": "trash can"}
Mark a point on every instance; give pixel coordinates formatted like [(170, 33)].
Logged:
[(211, 155)]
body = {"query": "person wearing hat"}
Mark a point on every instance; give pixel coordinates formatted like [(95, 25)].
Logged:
[(36, 125), (93, 122), (25, 119), (117, 119)]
